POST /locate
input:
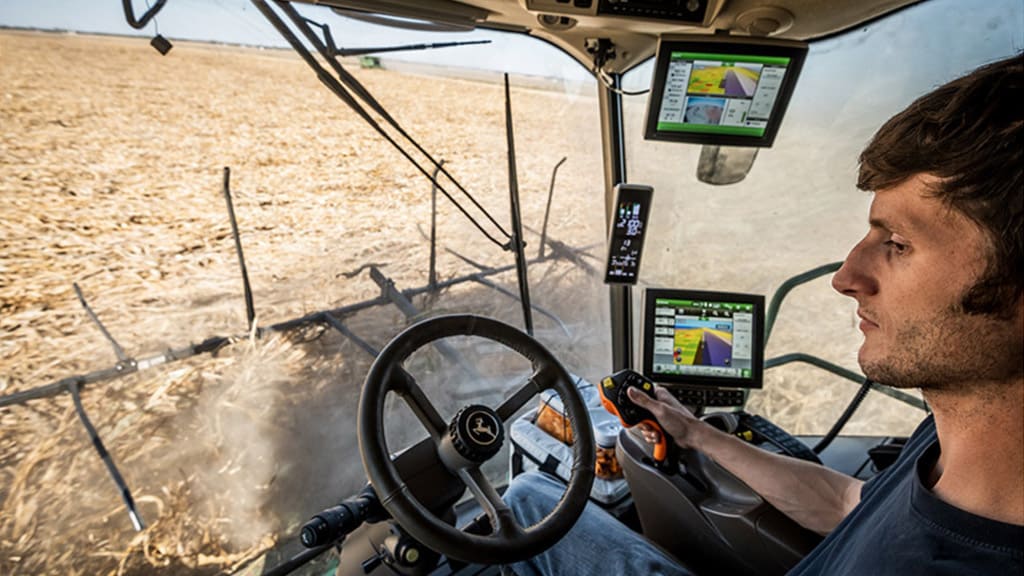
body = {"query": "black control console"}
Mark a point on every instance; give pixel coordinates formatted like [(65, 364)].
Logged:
[(692, 11), (711, 397), (759, 430)]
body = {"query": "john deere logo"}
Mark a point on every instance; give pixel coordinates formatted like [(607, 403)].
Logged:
[(483, 428)]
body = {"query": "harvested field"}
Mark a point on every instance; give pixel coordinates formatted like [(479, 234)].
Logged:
[(111, 162)]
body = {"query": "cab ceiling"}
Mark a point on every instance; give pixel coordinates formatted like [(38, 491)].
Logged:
[(570, 23)]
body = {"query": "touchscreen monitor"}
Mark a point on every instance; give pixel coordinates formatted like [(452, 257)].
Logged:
[(722, 90), (703, 338)]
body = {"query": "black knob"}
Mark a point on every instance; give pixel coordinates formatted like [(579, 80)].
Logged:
[(476, 433)]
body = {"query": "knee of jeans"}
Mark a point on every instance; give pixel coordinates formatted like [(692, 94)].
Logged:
[(518, 489), (533, 495)]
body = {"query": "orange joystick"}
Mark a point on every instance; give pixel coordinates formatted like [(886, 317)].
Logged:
[(615, 400)]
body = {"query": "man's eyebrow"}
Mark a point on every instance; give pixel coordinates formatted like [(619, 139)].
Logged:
[(905, 226), (876, 222)]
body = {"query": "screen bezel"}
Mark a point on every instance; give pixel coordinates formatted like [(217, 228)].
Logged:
[(756, 381), (795, 51)]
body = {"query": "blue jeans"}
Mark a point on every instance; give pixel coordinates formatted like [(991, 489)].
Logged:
[(597, 544)]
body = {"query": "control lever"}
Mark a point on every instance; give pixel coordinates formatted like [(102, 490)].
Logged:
[(615, 399), (754, 428), (339, 521)]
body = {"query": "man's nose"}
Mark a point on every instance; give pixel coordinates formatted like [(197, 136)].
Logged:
[(854, 277)]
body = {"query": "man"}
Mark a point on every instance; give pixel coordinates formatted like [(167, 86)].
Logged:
[(939, 283)]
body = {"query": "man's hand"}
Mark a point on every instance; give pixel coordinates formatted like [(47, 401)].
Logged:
[(814, 496), (674, 418)]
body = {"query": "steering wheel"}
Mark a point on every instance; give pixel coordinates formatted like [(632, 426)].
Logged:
[(472, 437)]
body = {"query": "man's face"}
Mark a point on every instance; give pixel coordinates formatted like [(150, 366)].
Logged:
[(909, 275)]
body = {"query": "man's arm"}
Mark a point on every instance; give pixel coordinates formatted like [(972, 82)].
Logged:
[(814, 496)]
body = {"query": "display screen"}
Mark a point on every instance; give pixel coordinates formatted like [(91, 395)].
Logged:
[(704, 338), (721, 93), (626, 242)]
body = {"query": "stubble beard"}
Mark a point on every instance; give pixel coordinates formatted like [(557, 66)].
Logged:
[(950, 351)]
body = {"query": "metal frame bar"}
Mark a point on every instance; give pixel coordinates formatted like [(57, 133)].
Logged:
[(125, 365), (108, 460), (547, 209), (613, 147), (250, 309), (432, 272)]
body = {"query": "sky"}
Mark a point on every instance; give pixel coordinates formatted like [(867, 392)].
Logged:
[(239, 22), (932, 40)]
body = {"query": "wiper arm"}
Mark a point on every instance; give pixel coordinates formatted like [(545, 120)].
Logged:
[(403, 48), (140, 23)]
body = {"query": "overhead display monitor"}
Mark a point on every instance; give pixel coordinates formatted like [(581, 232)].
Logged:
[(703, 338), (724, 91)]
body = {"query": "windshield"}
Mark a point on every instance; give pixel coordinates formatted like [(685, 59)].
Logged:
[(799, 208), (112, 178)]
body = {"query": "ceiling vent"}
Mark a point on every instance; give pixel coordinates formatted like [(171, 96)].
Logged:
[(764, 21)]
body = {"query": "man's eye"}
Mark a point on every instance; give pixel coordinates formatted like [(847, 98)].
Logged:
[(896, 247)]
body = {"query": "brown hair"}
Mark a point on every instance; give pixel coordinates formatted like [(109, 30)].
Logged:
[(967, 132)]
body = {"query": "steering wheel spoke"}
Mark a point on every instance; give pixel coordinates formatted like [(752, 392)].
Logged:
[(503, 521), (539, 381), (407, 387)]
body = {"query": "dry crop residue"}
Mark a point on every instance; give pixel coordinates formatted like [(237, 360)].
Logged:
[(111, 163)]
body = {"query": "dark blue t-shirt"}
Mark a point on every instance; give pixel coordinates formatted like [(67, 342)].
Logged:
[(901, 528)]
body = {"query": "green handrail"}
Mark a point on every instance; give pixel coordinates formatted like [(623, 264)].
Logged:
[(786, 287)]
